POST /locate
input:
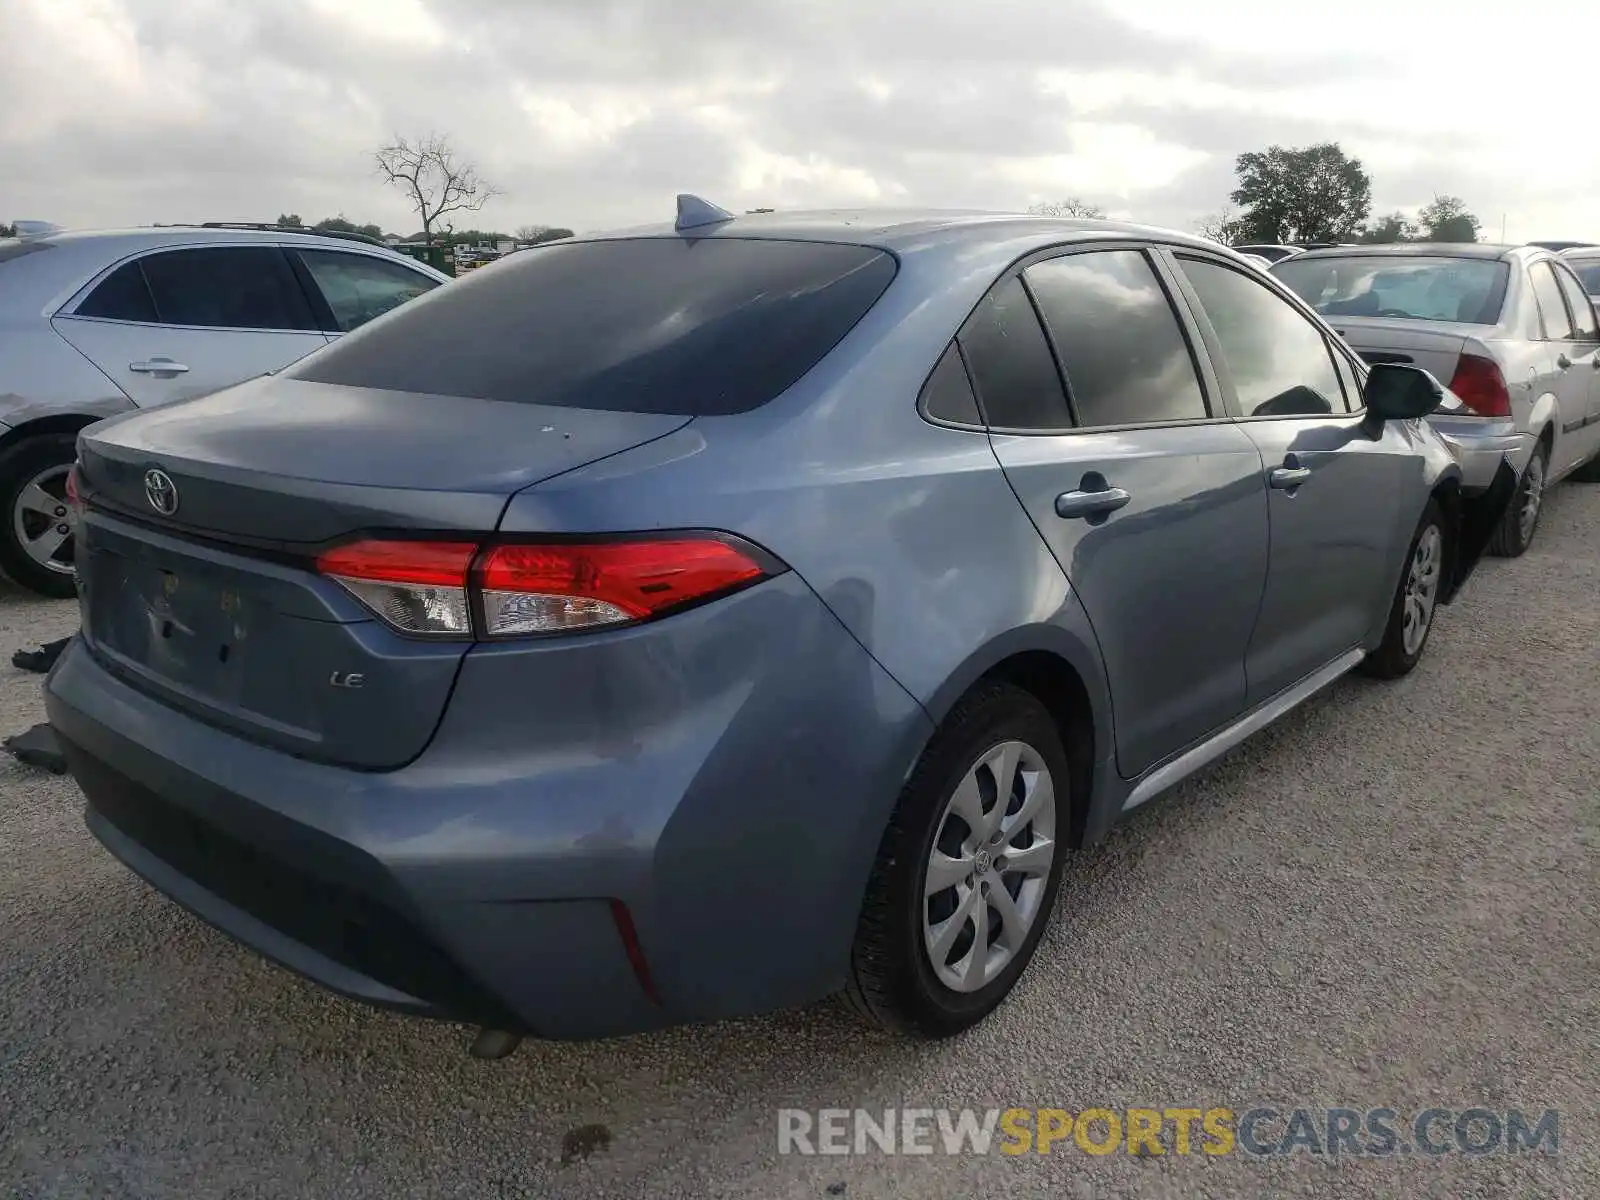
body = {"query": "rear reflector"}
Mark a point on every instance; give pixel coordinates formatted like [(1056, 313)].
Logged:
[(74, 492), (1481, 386), (418, 587), (431, 589)]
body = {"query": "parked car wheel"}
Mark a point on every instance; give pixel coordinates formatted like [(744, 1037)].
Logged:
[(1516, 530), (968, 870), (36, 540), (1416, 601)]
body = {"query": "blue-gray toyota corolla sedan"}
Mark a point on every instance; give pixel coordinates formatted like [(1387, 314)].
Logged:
[(698, 620)]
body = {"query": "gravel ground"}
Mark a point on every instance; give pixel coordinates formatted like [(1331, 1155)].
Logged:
[(1388, 899)]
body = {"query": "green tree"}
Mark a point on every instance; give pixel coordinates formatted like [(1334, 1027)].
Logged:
[(340, 225), (1311, 194), (8, 231), (1070, 207), (553, 234), (1396, 227), (1447, 220), (289, 221)]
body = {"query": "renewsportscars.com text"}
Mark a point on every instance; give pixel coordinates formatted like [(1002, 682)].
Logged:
[(1258, 1131)]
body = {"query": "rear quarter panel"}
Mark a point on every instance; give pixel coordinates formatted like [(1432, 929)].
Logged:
[(41, 375)]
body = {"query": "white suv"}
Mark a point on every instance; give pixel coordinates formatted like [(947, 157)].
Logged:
[(97, 323)]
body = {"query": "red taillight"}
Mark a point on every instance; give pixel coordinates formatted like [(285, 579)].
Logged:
[(74, 494), (550, 587), (1482, 386)]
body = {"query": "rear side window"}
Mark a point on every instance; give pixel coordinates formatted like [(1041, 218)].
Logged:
[(1578, 303), (947, 396), (1278, 360), (359, 287), (120, 296), (227, 287), (1126, 359), (690, 326), (1552, 309), (1012, 367)]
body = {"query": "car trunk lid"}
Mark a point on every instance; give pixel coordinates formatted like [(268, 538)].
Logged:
[(1435, 346), (208, 597)]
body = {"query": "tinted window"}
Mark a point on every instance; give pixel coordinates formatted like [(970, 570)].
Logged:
[(1125, 357), (121, 296), (947, 396), (1012, 368), (1279, 362), (1578, 302), (359, 287), (1415, 288), (1552, 309), (227, 287), (697, 326)]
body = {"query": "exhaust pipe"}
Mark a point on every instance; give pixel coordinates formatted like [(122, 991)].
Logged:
[(495, 1043)]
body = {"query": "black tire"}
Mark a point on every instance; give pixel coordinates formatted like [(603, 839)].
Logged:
[(19, 465), (892, 980), (1391, 659), (1509, 540)]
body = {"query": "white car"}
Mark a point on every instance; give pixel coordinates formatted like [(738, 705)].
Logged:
[(1509, 329), (98, 323)]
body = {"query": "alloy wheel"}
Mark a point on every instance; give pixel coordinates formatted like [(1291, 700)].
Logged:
[(42, 521), (1532, 497), (990, 865), (1422, 588)]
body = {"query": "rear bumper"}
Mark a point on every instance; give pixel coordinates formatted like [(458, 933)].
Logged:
[(1479, 444), (725, 774)]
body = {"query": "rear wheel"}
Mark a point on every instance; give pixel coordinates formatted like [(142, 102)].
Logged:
[(1415, 601), (36, 540), (1515, 532), (968, 869)]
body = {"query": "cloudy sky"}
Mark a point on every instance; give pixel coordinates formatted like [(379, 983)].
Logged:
[(589, 113)]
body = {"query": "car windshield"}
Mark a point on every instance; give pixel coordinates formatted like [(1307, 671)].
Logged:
[(1419, 288), (1589, 272)]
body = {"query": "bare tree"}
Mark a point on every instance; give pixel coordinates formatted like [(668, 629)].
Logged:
[(1070, 207), (1217, 226), (530, 233), (434, 179)]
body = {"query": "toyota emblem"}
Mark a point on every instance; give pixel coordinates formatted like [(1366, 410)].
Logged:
[(161, 491)]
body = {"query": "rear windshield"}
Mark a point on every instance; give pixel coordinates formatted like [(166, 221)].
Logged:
[(1588, 270), (1417, 288), (691, 327)]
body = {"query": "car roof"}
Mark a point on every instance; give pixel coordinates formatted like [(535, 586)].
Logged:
[(164, 235), (897, 229), (1478, 250)]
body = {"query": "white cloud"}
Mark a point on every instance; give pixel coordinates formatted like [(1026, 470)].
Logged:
[(594, 112)]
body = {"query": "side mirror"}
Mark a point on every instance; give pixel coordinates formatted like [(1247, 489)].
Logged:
[(1399, 393)]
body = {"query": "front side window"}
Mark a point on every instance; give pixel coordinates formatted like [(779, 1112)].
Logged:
[(226, 287), (1125, 356), (1399, 287), (1351, 381), (1579, 304), (1552, 308), (1278, 360), (359, 287), (671, 325), (1012, 368)]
